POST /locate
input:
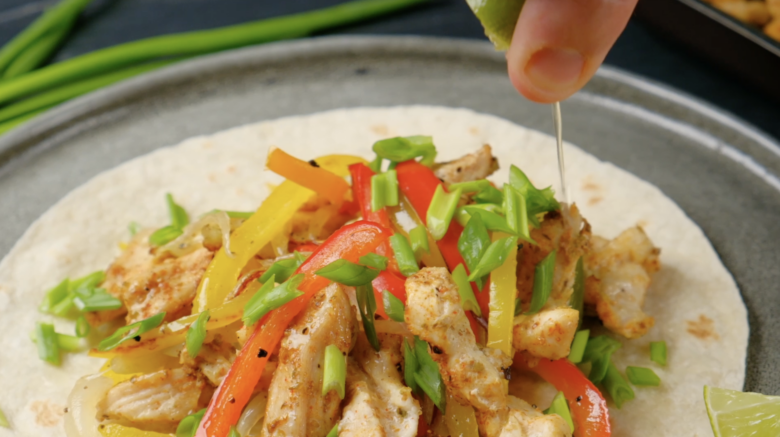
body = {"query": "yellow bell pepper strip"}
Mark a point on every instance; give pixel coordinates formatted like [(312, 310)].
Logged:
[(309, 174), (503, 290), (269, 220), (116, 430)]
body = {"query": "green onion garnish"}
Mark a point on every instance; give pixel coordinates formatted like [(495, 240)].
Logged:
[(394, 307), (384, 190), (374, 260), (492, 221), (494, 256), (440, 211), (578, 346), (407, 263), (54, 296), (599, 352), (471, 186), (577, 299), (282, 269), (197, 334), (4, 421), (134, 228), (69, 343), (658, 352), (616, 386), (347, 273), (490, 195), (133, 331), (642, 376), (63, 307), (427, 375), (179, 217), (48, 346), (334, 432), (86, 284), (419, 240), (410, 366), (100, 300), (400, 149), (543, 282), (538, 201), (189, 425), (516, 213), (367, 307), (270, 297), (164, 235), (82, 327), (240, 214), (335, 371), (473, 243), (233, 432), (518, 307), (560, 407), (467, 299)]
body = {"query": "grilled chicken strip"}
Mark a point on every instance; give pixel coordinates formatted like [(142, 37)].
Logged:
[(378, 402), (296, 406), (621, 273), (546, 334), (477, 165), (473, 374), (154, 402)]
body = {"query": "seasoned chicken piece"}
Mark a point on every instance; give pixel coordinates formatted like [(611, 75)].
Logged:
[(621, 270), (376, 391), (154, 402), (546, 334), (474, 375), (296, 406), (213, 361), (474, 166), (147, 286)]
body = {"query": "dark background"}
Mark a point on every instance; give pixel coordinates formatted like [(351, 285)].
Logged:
[(639, 49)]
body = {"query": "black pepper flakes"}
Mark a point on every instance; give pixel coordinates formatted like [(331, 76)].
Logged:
[(262, 354), (232, 400), (579, 398), (137, 338), (520, 246), (437, 350), (313, 163), (507, 373)]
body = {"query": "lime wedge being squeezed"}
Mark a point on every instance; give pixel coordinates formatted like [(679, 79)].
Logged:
[(498, 17), (737, 414)]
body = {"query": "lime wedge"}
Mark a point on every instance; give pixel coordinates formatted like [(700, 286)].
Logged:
[(498, 17), (737, 414)]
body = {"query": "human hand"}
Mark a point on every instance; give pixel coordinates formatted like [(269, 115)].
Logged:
[(559, 44)]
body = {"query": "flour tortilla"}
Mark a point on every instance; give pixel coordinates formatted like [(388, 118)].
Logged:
[(80, 234)]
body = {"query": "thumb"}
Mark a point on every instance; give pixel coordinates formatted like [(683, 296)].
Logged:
[(559, 44)]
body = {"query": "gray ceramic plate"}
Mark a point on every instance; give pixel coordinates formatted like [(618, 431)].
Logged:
[(718, 169)]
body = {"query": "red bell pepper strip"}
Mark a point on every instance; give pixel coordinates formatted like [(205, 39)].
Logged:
[(587, 404), (418, 183), (350, 243)]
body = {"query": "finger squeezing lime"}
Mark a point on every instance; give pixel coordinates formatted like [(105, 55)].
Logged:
[(498, 17), (737, 414)]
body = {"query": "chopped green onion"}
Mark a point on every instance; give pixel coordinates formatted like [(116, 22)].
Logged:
[(82, 327), (599, 352), (518, 307), (64, 307), (164, 235), (543, 282), (658, 352), (428, 377), (490, 195), (48, 346), (334, 432), (196, 334), (407, 263), (133, 331), (461, 216), (134, 228), (4, 421), (516, 213), (85, 285), (394, 307), (492, 221), (347, 273), (642, 376), (270, 297), (560, 407), (367, 307), (179, 217), (471, 186), (473, 243), (538, 201), (189, 425), (240, 214), (373, 260), (410, 366), (233, 432), (384, 190), (54, 296), (489, 207), (100, 300), (616, 386), (577, 299), (419, 240), (69, 343), (578, 346), (494, 256), (335, 371), (441, 210), (283, 269), (400, 149), (467, 299)]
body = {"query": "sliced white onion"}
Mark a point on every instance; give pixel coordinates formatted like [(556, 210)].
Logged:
[(192, 237), (392, 327), (81, 418), (253, 413)]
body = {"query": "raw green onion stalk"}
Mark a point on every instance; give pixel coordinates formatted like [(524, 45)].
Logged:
[(348, 273), (48, 346), (419, 240), (617, 387), (374, 260), (578, 346), (642, 376), (599, 352), (561, 408), (394, 307), (189, 425), (494, 256), (197, 334), (335, 371), (407, 262), (270, 297), (410, 366), (4, 421), (490, 218), (334, 432), (179, 219), (400, 149), (467, 299), (364, 295), (441, 210), (283, 269), (427, 376), (473, 243), (543, 279), (82, 327), (658, 352), (132, 331), (384, 190)]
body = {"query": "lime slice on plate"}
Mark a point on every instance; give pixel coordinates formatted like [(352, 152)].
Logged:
[(498, 17), (737, 414)]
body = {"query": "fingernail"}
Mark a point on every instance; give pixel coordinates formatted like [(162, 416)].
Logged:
[(554, 69)]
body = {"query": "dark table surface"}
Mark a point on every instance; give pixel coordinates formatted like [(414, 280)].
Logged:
[(639, 50)]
